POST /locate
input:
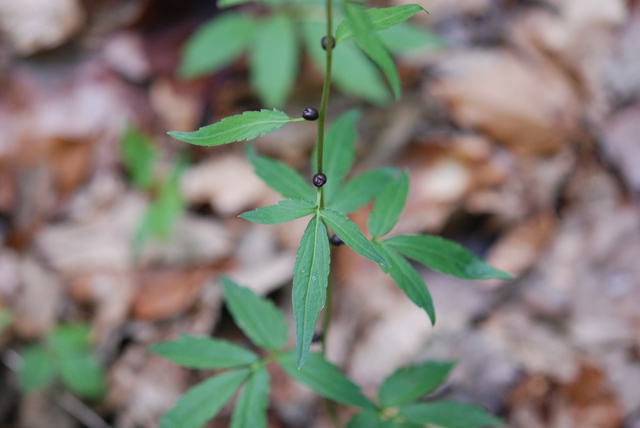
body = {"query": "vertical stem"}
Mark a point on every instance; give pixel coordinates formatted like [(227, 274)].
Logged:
[(326, 86)]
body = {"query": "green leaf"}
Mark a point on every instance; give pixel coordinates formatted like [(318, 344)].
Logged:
[(216, 44), (204, 401), (203, 353), (37, 369), (258, 317), (351, 235), (388, 206), (449, 414), (339, 151), (365, 419), (380, 18), (408, 280), (310, 277), (407, 384), (280, 177), (370, 43), (286, 210), (251, 406), (245, 126), (229, 3), (6, 319), (68, 339), (445, 256), (352, 72), (274, 60), (406, 38), (326, 379), (139, 156), (82, 375), (361, 190)]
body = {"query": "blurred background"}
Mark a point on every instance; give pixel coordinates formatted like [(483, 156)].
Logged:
[(519, 126)]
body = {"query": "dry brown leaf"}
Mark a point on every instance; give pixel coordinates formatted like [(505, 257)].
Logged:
[(522, 103), (620, 143), (35, 25), (168, 292)]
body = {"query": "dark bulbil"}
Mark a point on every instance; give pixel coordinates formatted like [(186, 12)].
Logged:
[(319, 180), (324, 43), (310, 113), (335, 240)]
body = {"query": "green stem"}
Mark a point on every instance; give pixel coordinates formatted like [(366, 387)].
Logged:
[(325, 87)]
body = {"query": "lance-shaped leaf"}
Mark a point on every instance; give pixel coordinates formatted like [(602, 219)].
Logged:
[(281, 177), (258, 317), (339, 151), (408, 280), (325, 379), (351, 235), (406, 38), (82, 375), (241, 127), (370, 43), (449, 414), (286, 210), (361, 190), (380, 19), (274, 60), (310, 277), (216, 44), (388, 206), (445, 256), (352, 72), (204, 401), (407, 384), (251, 408), (37, 369), (204, 353)]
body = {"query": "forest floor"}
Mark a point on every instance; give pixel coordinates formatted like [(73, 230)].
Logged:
[(522, 140)]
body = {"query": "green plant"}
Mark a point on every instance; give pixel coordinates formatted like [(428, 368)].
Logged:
[(140, 157), (65, 355), (275, 39), (326, 199), (265, 325)]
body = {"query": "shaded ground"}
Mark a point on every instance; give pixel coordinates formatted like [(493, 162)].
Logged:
[(522, 140)]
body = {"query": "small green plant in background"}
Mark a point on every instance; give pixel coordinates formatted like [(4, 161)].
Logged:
[(274, 42), (326, 200), (140, 157), (64, 355)]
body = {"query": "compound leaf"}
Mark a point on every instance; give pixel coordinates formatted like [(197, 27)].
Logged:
[(203, 352), (37, 369), (407, 384), (325, 378), (445, 256), (258, 317), (310, 276), (449, 414), (216, 44), (352, 72), (351, 235), (408, 280), (380, 19), (361, 190), (388, 206), (274, 60), (370, 43), (286, 210), (241, 127), (251, 407), (204, 401), (281, 177)]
